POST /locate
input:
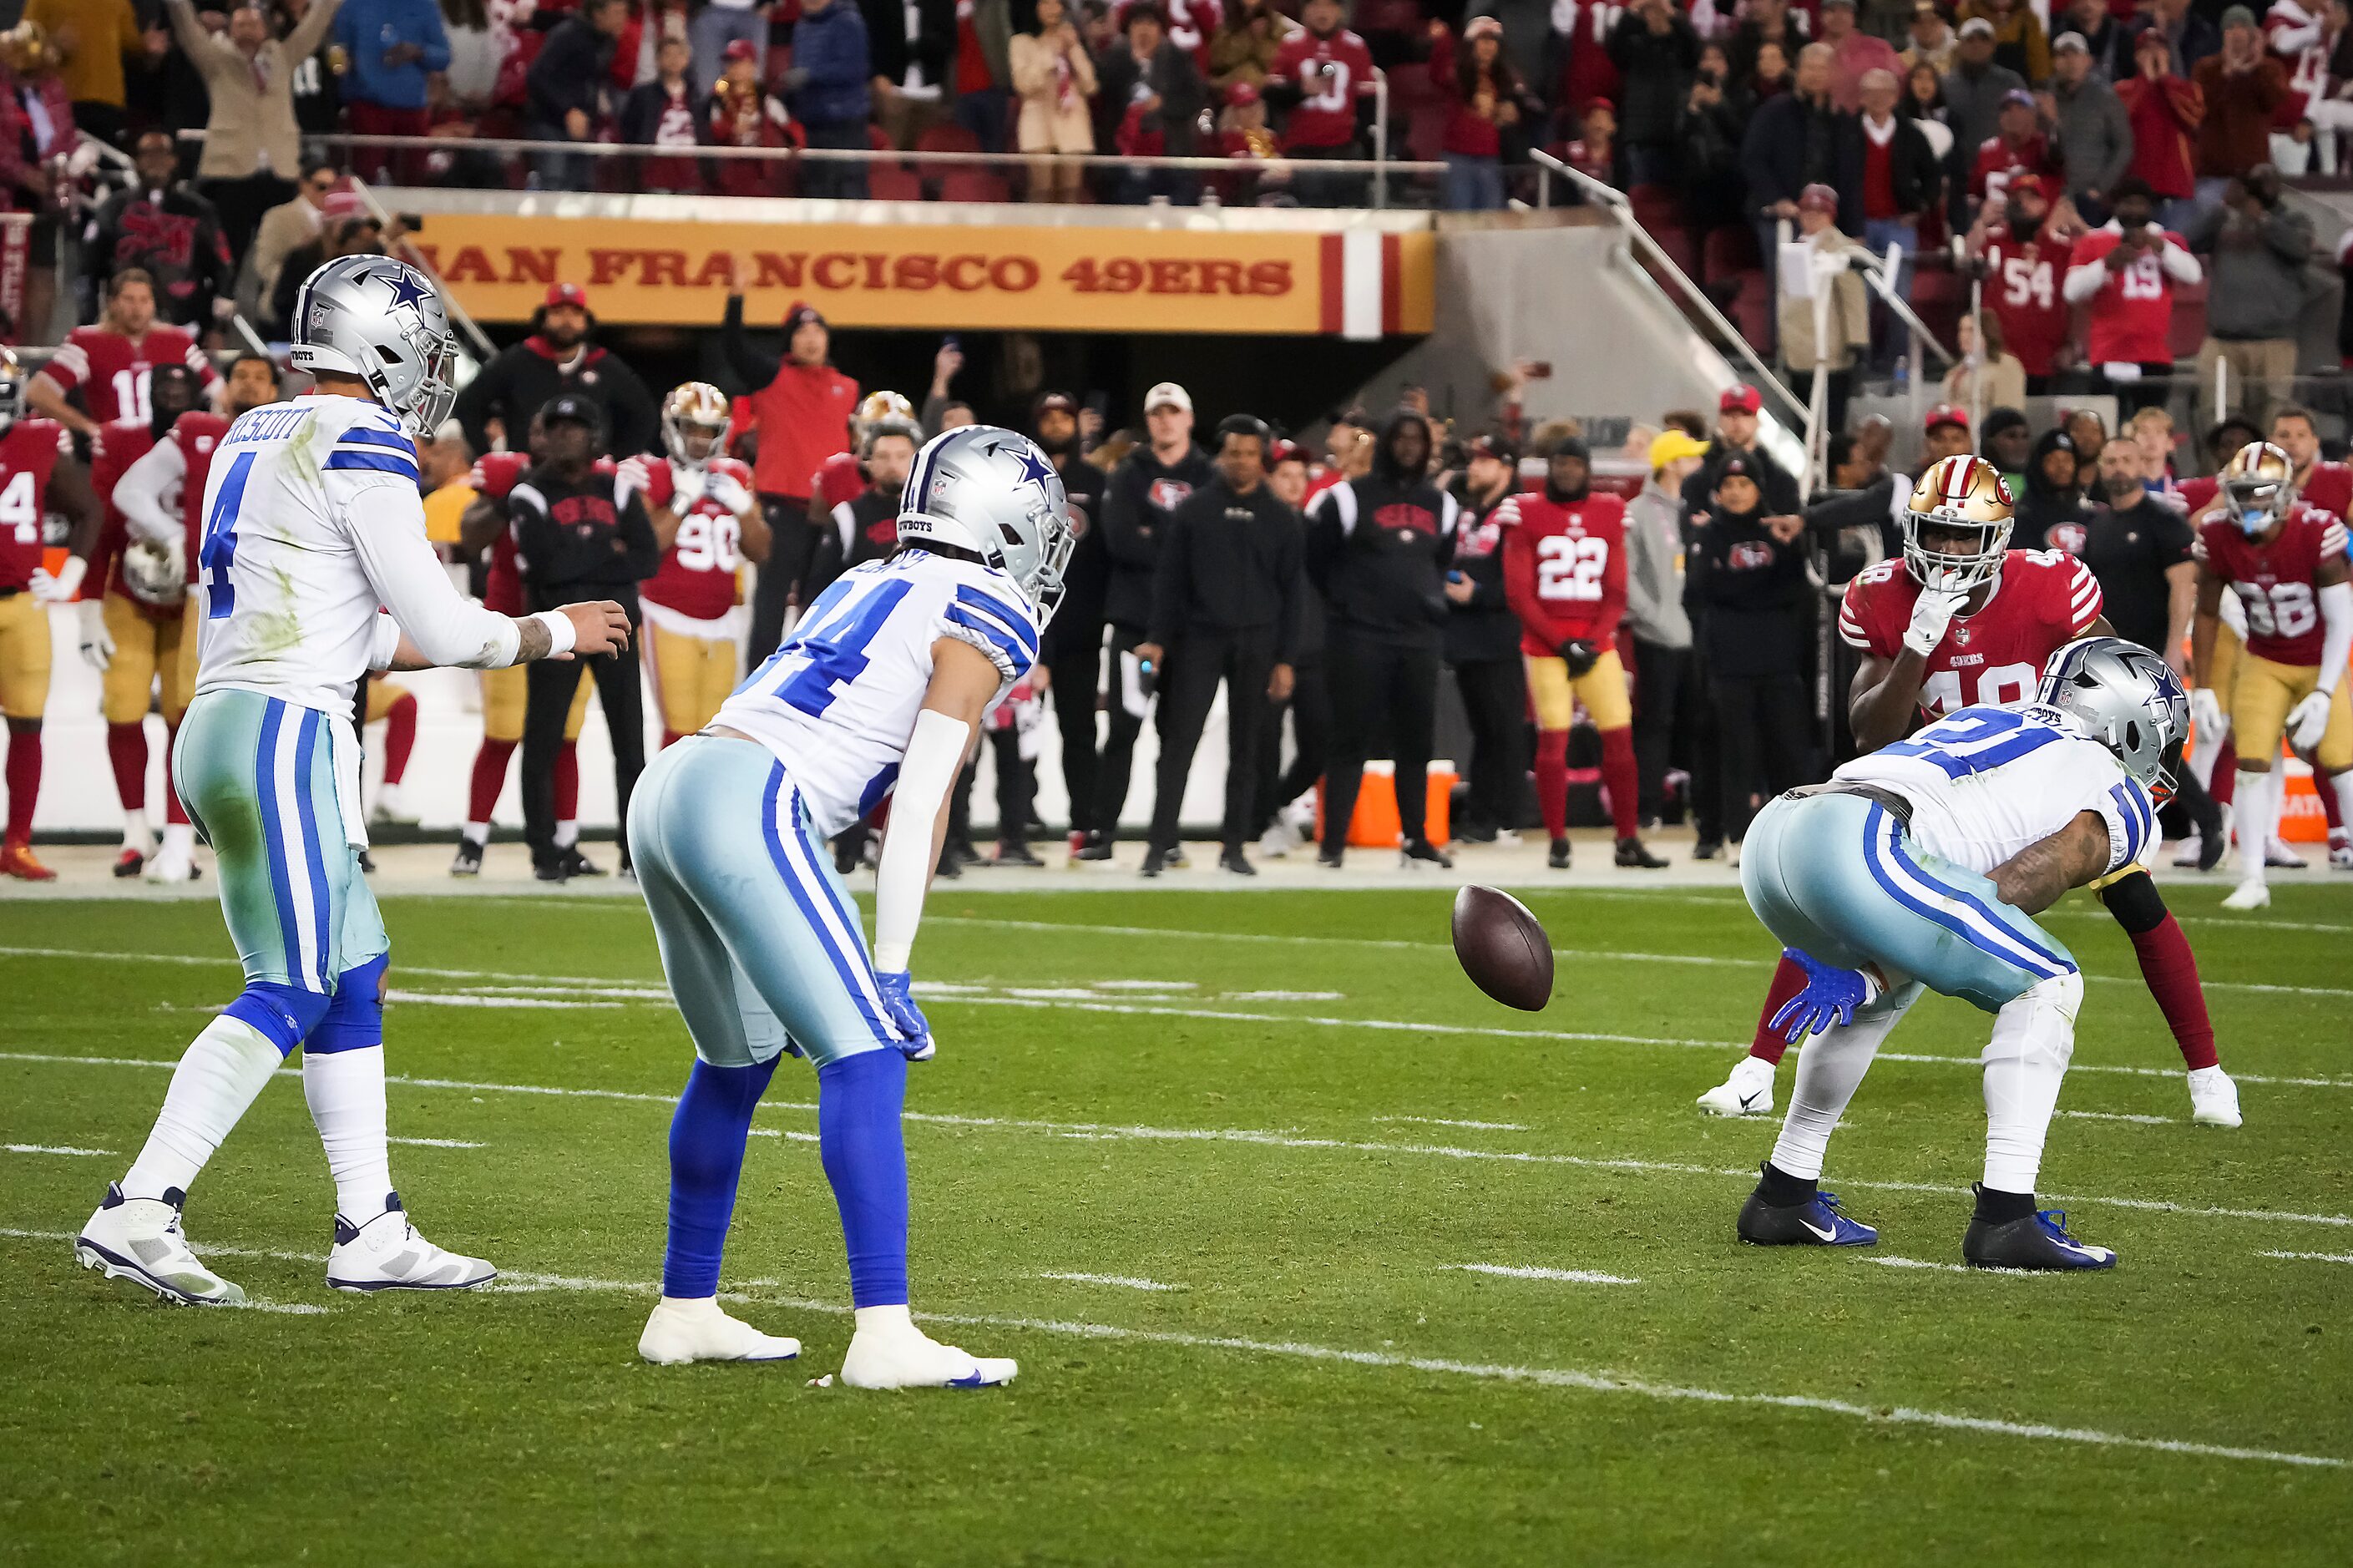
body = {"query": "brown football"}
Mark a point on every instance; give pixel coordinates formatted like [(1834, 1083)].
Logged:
[(1502, 948)]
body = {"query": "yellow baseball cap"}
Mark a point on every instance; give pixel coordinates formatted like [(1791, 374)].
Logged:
[(1674, 447)]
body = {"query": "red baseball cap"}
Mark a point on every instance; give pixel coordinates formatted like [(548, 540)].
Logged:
[(1241, 94), (1945, 414), (740, 49), (564, 294), (1819, 199), (2024, 185), (1743, 399)]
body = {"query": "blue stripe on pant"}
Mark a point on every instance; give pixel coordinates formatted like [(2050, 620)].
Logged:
[(1837, 877)]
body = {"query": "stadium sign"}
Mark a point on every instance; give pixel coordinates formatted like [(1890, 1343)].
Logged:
[(1354, 284)]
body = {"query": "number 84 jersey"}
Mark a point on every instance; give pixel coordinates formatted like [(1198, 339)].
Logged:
[(837, 703), (2274, 583), (2043, 600)]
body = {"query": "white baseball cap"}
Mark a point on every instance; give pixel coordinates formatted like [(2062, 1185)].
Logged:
[(1168, 395)]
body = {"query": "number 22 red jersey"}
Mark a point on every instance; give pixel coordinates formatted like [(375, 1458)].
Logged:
[(697, 578), (2043, 600), (2275, 582), (28, 452), (1329, 73), (1563, 568)]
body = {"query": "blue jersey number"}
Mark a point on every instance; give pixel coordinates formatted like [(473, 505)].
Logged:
[(219, 548), (1976, 741), (832, 643)]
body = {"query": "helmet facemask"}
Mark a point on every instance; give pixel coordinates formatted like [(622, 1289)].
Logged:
[(1958, 495)]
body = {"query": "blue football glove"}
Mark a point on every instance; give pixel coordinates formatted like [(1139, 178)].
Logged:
[(898, 1000), (1830, 996)]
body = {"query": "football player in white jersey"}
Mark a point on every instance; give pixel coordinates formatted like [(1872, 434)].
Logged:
[(1921, 866), (311, 520), (881, 686)]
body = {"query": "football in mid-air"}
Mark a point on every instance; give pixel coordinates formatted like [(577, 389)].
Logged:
[(1502, 948)]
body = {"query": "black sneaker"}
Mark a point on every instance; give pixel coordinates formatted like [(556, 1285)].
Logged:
[(467, 861), (367, 864), (950, 866), (961, 851), (2038, 1241), (1154, 860), (1329, 856), (1097, 846), (1556, 858), (1421, 851), (1017, 855), (575, 864), (1235, 861), (1632, 852), (550, 871), (1474, 833), (1175, 860), (1708, 849), (130, 863)]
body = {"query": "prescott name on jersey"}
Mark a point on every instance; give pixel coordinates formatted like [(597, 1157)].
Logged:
[(2043, 600)]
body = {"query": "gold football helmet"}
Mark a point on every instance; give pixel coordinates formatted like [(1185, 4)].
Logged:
[(876, 406), (12, 389), (695, 411), (1958, 495), (2257, 485)]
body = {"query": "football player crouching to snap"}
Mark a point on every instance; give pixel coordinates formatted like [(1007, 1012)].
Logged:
[(882, 685), (1963, 620), (1921, 867)]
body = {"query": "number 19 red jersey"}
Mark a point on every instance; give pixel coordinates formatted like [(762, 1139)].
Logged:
[(2043, 600), (1563, 568), (2275, 582)]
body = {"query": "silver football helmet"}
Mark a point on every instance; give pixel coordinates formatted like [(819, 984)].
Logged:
[(992, 493), (156, 575), (2128, 699), (380, 320)]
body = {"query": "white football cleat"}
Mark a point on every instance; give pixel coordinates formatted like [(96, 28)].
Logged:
[(2189, 846), (680, 1331), (2340, 856), (171, 864), (1278, 840), (386, 1254), (138, 1239), (2213, 1098), (2250, 894), (897, 1354), (2280, 858), (1748, 1092)]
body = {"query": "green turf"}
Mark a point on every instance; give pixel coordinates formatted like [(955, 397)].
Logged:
[(518, 1426)]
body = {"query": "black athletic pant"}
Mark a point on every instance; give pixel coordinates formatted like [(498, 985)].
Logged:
[(1310, 708), (1376, 683), (1075, 683), (1014, 776), (1244, 660), (1761, 728), (792, 540), (1495, 702), (1118, 757), (1659, 694), (550, 684)]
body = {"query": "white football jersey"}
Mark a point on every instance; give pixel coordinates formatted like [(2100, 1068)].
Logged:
[(312, 521), (1985, 782), (837, 703)]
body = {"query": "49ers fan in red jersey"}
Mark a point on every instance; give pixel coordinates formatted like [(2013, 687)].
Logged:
[(1963, 620), (2025, 262), (1324, 77), (1564, 577)]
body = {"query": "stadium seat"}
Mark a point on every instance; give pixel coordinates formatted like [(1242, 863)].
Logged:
[(972, 183), (1728, 252), (894, 182), (948, 139)]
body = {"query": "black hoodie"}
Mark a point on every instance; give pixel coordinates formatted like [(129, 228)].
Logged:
[(1137, 501), (2046, 506), (1378, 547)]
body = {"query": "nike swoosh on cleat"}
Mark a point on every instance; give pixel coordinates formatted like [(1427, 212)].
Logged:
[(1829, 1237), (1748, 1100), (978, 1378)]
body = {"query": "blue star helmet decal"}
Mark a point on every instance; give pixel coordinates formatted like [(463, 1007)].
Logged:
[(1034, 468), (406, 289)]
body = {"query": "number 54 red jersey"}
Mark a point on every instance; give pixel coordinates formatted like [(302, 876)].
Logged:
[(2275, 582), (1563, 568), (2043, 600)]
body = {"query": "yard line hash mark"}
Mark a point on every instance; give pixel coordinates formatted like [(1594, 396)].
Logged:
[(50, 1149), (1125, 1282), (2311, 1257), (1570, 1275), (1451, 1122)]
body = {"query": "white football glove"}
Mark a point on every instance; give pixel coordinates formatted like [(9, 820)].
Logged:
[(60, 588), (1931, 616), (96, 642), (2307, 721), (631, 477), (2206, 713), (730, 492), (687, 486)]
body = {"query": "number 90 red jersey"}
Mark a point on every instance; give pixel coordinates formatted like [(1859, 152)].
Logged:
[(1563, 568), (697, 578), (2275, 582), (2043, 600)]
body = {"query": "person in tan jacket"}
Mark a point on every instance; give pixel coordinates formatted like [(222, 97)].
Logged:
[(252, 149), (1055, 81), (1845, 328)]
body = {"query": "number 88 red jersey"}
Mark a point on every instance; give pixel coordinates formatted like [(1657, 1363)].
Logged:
[(2275, 582), (2043, 600)]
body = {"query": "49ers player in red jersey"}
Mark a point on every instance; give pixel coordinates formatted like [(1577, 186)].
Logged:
[(1564, 577), (37, 472), (109, 362), (1963, 620), (841, 478), (708, 524), (2284, 562)]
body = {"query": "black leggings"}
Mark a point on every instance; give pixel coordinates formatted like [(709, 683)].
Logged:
[(1761, 727), (550, 684), (1495, 702), (1118, 758), (1658, 682), (792, 540), (1310, 708), (1378, 687), (1076, 681)]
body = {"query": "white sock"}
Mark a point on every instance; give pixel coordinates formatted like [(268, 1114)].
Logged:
[(135, 835), (886, 1320), (477, 834), (2203, 748), (179, 839), (2343, 784), (1831, 1066), (2258, 799), (567, 834), (388, 798), (2025, 1062), (218, 1076), (345, 1089)]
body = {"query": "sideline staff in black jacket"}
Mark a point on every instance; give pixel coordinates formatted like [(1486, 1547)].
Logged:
[(1378, 549), (574, 545), (1749, 573), (1225, 607), (1483, 647), (1070, 652)]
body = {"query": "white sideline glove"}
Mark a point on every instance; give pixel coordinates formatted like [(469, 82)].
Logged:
[(2206, 712), (2307, 721), (729, 492), (1931, 616)]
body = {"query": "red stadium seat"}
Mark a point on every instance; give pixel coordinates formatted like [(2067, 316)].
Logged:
[(971, 184), (894, 182), (947, 139)]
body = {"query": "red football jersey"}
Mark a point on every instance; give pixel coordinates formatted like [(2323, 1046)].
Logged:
[(196, 434), (494, 475), (2043, 600), (1997, 162), (1331, 72), (2132, 315), (2275, 582), (839, 478), (28, 452), (2024, 284), (2328, 486), (697, 578), (111, 370), (120, 445), (1563, 568)]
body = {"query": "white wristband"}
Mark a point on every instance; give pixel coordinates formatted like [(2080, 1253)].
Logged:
[(559, 631)]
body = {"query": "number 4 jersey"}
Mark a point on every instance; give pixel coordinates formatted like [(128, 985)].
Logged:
[(2274, 581), (837, 703), (2043, 600)]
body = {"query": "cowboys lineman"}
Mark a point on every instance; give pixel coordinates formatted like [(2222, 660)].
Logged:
[(311, 520), (880, 689), (1922, 866)]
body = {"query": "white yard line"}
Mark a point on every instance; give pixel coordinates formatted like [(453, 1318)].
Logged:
[(1450, 1122), (2311, 1256), (471, 999), (1955, 1268), (50, 1149), (1570, 1275), (1123, 1281), (436, 1143), (2119, 1115)]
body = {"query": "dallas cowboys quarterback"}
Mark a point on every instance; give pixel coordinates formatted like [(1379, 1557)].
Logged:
[(1921, 866), (883, 683), (312, 520)]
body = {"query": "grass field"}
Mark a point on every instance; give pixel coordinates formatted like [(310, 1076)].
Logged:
[(1213, 1167)]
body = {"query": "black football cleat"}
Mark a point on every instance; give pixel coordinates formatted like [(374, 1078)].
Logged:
[(1708, 849), (1556, 858), (1155, 860), (1422, 852), (2038, 1241), (1633, 853), (130, 863), (1097, 846), (1234, 860), (467, 861), (1818, 1222), (1017, 855), (575, 864)]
